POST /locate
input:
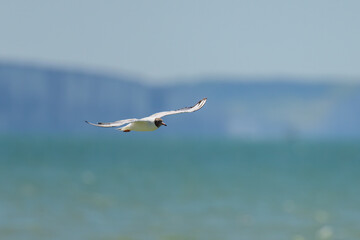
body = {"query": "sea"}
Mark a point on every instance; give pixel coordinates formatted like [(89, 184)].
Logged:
[(127, 187)]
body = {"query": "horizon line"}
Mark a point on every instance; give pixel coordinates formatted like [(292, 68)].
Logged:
[(185, 78)]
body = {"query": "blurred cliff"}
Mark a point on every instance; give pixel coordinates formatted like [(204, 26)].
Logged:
[(49, 100)]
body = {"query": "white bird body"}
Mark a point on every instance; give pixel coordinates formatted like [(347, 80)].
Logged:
[(140, 126), (149, 123)]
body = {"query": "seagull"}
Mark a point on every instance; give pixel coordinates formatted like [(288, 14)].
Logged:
[(149, 123)]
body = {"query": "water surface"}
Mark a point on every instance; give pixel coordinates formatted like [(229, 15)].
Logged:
[(130, 188)]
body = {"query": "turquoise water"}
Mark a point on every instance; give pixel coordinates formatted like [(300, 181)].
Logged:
[(129, 188)]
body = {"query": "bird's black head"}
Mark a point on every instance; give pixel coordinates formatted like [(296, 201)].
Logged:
[(159, 122)]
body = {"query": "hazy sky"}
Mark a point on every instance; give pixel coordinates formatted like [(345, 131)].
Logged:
[(168, 39)]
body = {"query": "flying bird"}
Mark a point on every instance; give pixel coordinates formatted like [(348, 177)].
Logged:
[(149, 123)]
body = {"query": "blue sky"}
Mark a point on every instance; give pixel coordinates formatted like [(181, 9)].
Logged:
[(164, 40)]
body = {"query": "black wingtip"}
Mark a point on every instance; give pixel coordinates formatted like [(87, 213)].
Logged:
[(86, 121), (204, 99)]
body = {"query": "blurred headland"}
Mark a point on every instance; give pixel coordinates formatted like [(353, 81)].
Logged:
[(54, 100)]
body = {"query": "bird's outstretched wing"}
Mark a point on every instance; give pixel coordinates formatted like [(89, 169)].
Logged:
[(194, 108), (114, 124)]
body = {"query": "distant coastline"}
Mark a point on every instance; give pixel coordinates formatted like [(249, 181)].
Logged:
[(39, 98)]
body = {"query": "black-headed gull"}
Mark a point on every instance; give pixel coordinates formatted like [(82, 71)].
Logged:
[(149, 123)]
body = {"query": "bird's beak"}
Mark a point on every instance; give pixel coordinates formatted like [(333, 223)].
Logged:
[(163, 124)]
